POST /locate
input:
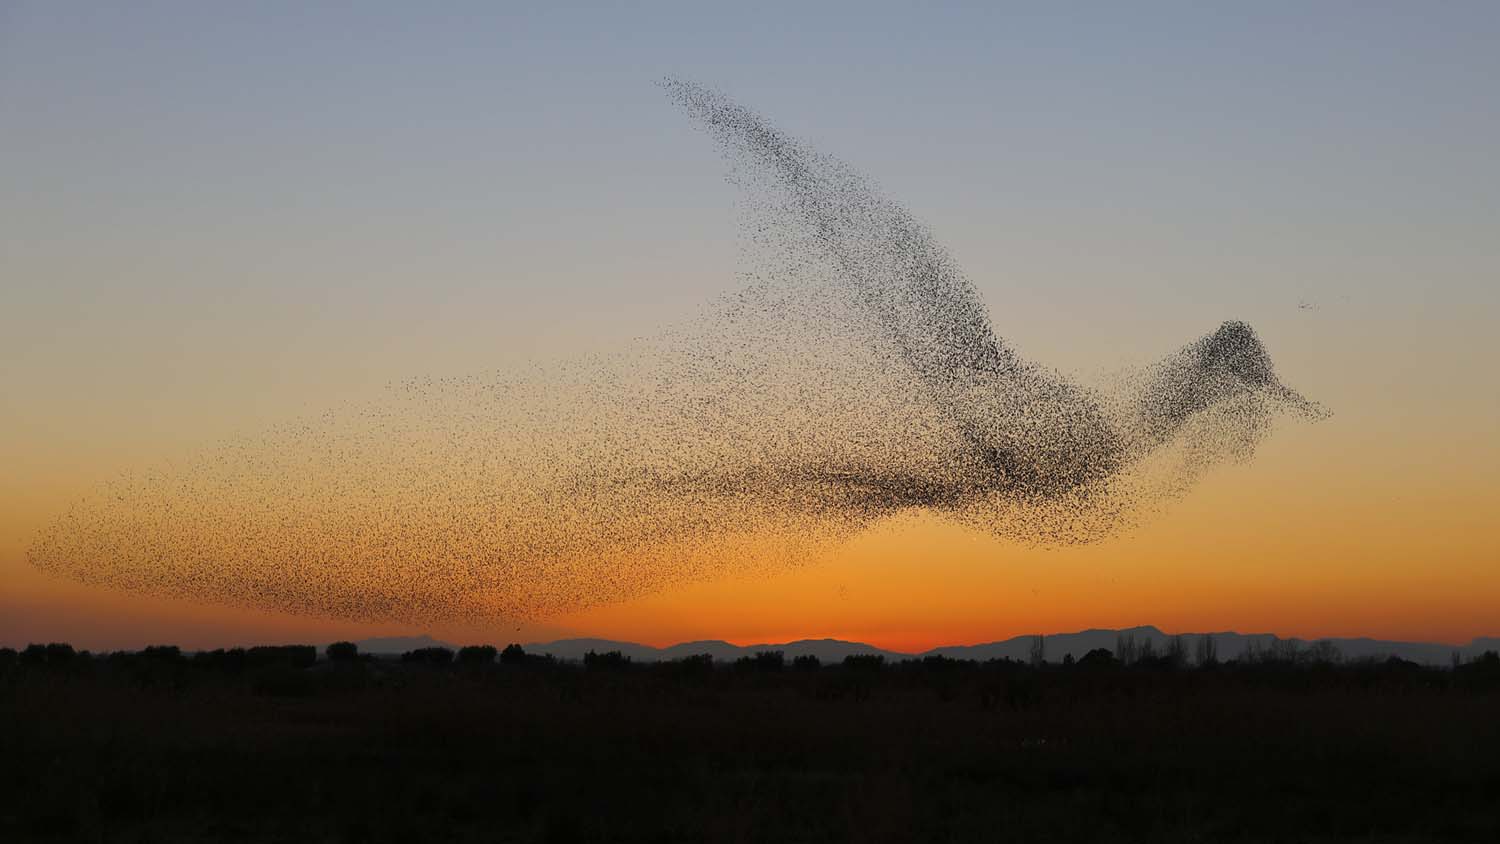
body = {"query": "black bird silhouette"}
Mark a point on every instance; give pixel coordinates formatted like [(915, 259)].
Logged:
[(854, 375)]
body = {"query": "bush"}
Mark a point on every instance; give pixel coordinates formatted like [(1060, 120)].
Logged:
[(342, 652), (513, 654)]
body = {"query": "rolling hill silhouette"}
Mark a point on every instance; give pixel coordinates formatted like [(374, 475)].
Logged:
[(1229, 644)]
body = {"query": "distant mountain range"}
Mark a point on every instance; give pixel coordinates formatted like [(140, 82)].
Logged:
[(1228, 645)]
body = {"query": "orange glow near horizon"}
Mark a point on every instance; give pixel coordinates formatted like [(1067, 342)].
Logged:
[(1298, 543), (1246, 552)]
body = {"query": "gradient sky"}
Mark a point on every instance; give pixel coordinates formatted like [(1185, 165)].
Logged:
[(216, 219)]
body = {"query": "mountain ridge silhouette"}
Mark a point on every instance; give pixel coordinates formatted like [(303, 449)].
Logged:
[(1229, 644)]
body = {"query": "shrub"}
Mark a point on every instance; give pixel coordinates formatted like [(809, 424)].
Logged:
[(513, 654), (342, 652)]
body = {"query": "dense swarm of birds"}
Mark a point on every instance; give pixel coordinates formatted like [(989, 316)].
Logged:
[(853, 376)]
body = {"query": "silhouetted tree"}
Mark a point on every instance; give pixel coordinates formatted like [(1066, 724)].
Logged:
[(860, 673), (155, 665), (231, 660), (1038, 654), (807, 662), (605, 661), (476, 654), (1146, 651), (342, 652), (865, 662), (937, 662), (54, 655), (1252, 653), (1125, 648), (8, 659), (1068, 660), (436, 656), (1323, 652), (1097, 658), (1284, 651), (1481, 672), (1208, 651), (162, 653), (1396, 663), (1177, 652), (698, 665), (513, 654), (296, 656), (762, 661)]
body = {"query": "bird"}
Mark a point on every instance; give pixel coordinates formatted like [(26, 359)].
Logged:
[(854, 375), (1020, 429)]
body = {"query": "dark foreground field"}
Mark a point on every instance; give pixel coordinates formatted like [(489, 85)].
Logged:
[(263, 747)]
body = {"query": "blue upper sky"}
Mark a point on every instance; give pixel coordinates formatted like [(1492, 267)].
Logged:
[(454, 185)]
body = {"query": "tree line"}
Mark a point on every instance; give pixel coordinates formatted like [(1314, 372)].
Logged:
[(1128, 654)]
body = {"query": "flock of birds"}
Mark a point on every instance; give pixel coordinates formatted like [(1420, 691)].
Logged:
[(854, 376)]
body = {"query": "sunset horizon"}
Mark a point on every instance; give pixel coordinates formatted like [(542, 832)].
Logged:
[(757, 423)]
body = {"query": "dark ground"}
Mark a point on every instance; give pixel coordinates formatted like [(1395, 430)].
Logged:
[(255, 748)]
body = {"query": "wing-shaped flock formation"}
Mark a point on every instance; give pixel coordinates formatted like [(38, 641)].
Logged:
[(854, 375)]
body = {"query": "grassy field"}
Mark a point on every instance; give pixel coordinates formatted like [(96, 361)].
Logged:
[(267, 747)]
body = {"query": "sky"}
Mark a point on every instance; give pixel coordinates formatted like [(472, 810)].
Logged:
[(215, 218)]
